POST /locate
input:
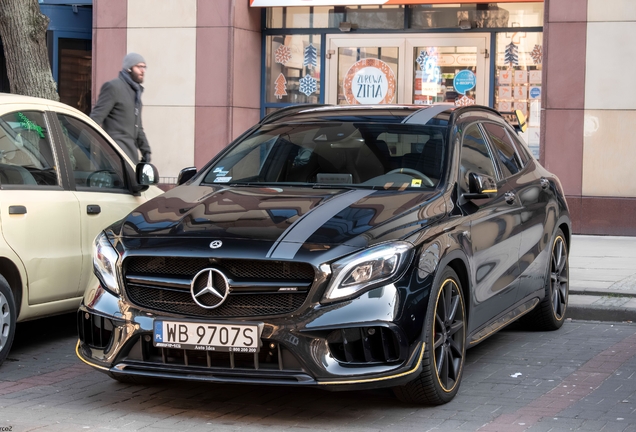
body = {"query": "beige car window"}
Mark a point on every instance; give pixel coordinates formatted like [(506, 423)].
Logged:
[(26, 158), (96, 165)]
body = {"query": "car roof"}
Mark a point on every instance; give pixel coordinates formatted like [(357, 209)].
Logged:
[(366, 113), (10, 98)]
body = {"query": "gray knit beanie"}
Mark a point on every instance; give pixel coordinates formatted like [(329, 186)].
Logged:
[(131, 60)]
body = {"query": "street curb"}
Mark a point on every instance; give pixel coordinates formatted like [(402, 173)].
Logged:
[(602, 293), (579, 310)]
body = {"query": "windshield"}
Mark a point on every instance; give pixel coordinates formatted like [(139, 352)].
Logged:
[(340, 153)]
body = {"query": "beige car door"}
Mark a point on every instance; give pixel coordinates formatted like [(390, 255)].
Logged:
[(101, 185), (40, 219)]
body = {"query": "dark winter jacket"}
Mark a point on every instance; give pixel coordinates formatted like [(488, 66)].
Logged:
[(119, 114)]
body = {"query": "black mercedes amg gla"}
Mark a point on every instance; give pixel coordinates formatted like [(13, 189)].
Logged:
[(338, 247)]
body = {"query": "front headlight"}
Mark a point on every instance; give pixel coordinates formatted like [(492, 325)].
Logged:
[(364, 270), (105, 259)]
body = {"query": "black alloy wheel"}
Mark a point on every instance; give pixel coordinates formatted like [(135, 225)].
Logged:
[(7, 318), (445, 350), (559, 282), (550, 312)]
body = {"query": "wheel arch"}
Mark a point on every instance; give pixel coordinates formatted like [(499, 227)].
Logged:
[(459, 263), (11, 273)]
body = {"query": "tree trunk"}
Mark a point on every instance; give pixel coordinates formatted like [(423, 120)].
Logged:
[(23, 32)]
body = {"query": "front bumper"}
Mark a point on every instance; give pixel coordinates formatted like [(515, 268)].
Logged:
[(349, 345)]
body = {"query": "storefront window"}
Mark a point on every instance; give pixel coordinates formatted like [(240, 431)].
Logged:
[(518, 83), (467, 16), (445, 74), (367, 75), (301, 17), (293, 69)]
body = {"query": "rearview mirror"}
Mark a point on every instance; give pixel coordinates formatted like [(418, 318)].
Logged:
[(186, 174), (480, 186)]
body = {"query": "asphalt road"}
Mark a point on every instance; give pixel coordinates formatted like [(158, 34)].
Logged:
[(582, 377)]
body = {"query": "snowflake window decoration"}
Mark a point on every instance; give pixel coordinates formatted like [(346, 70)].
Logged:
[(308, 85), (283, 54), (537, 54)]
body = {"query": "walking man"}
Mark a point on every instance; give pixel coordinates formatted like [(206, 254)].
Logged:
[(118, 108)]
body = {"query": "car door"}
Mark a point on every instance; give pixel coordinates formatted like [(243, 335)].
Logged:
[(40, 217), (494, 232), (533, 194), (101, 185)]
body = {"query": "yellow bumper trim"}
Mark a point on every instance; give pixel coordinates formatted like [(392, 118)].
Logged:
[(87, 362), (368, 380)]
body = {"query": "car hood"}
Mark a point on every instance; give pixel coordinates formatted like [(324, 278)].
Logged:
[(285, 215)]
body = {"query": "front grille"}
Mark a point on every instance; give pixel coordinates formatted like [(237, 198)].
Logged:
[(236, 305), (272, 356), (233, 268), (162, 284)]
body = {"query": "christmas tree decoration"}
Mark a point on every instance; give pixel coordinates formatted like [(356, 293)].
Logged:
[(311, 56), (537, 54), (283, 54), (308, 85), (511, 54), (281, 86)]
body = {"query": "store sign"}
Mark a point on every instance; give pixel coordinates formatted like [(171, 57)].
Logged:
[(369, 81), (464, 81), (271, 3)]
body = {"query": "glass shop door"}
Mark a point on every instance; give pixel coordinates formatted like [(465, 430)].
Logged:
[(385, 69)]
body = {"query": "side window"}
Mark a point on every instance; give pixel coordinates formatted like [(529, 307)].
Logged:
[(504, 149), (522, 150), (96, 165), (474, 157), (26, 157)]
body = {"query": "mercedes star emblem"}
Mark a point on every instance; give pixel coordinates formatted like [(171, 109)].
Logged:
[(216, 244), (209, 288)]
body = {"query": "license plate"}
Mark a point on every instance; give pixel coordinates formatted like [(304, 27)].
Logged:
[(226, 337)]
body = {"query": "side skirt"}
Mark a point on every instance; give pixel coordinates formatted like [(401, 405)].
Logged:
[(502, 321)]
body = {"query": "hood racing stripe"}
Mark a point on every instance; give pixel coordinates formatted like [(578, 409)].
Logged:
[(295, 236)]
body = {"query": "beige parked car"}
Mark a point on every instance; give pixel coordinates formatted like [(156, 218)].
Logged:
[(62, 180)]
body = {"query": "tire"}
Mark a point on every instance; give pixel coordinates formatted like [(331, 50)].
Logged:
[(445, 339), (7, 319), (549, 314)]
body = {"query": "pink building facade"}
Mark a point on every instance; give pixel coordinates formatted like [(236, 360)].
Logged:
[(215, 68)]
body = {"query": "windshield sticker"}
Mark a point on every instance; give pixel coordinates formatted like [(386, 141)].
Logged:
[(222, 179), (218, 169), (416, 183), (27, 124)]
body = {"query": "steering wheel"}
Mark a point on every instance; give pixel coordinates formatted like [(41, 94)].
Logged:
[(413, 173), (100, 179)]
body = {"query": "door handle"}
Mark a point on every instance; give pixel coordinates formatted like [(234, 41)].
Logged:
[(509, 197), (544, 183), (17, 209), (93, 209)]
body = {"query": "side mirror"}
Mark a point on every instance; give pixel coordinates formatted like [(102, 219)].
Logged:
[(146, 174), (186, 174), (480, 186)]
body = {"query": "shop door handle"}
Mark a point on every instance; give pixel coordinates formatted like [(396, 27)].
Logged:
[(17, 209), (93, 209)]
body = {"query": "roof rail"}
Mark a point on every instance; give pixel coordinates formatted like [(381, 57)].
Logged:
[(288, 110)]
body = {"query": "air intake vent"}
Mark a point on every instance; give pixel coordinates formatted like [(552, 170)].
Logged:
[(364, 345)]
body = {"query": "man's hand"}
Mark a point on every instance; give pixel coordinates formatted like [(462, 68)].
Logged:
[(146, 157)]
